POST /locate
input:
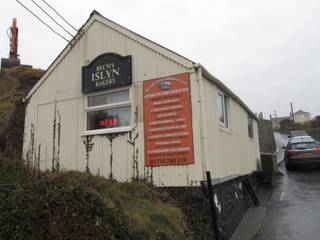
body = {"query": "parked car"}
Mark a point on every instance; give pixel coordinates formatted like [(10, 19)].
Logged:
[(302, 150), (302, 139), (297, 133)]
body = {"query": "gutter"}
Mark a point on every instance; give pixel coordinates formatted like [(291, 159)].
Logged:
[(203, 123), (223, 87)]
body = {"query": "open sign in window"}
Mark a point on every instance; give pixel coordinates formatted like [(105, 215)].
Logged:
[(108, 112), (109, 118)]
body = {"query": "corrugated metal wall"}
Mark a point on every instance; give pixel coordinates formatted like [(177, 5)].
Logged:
[(230, 150), (54, 127), (56, 110)]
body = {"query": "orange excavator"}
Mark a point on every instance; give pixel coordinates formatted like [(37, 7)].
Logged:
[(13, 59)]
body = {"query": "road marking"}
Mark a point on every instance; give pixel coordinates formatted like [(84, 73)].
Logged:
[(282, 195), (279, 196), (275, 196)]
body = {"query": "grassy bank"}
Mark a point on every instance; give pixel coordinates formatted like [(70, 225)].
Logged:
[(15, 83), (77, 205)]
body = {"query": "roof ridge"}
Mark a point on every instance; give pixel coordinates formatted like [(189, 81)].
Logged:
[(79, 34)]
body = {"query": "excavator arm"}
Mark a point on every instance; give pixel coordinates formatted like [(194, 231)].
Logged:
[(13, 59)]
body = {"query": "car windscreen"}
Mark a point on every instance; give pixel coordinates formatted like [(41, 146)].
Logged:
[(297, 133), (303, 145)]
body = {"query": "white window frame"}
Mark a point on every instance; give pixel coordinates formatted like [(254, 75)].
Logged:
[(105, 107), (225, 108)]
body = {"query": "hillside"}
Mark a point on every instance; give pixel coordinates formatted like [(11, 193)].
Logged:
[(312, 127), (14, 85), (73, 205)]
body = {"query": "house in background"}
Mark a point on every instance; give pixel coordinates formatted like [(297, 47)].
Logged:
[(301, 116)]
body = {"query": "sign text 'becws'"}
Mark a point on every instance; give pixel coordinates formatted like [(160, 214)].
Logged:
[(108, 70)]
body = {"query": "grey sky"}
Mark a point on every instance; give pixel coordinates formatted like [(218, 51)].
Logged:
[(267, 52)]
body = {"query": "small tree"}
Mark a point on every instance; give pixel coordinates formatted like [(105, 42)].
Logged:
[(317, 120), (287, 125)]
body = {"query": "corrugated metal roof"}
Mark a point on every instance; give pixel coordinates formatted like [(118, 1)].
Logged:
[(223, 87), (94, 17), (180, 59)]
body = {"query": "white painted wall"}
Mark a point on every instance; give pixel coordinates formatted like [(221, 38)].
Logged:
[(230, 151), (61, 91), (302, 117)]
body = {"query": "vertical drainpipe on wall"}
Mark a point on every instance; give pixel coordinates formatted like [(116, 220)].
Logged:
[(24, 131), (203, 120), (24, 101)]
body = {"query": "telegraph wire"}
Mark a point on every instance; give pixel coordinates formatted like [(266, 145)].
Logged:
[(41, 20), (59, 15), (52, 18)]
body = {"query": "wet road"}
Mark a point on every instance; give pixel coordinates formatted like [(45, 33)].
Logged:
[(293, 207)]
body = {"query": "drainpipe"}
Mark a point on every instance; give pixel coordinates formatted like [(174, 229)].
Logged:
[(203, 120)]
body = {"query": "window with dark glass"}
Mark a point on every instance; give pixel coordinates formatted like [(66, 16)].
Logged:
[(250, 127), (222, 109), (108, 110)]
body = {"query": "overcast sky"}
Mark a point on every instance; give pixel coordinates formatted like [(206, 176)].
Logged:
[(267, 52)]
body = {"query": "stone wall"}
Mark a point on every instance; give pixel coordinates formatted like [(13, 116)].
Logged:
[(232, 201), (266, 137)]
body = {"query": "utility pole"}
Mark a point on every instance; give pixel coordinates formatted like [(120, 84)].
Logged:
[(292, 111)]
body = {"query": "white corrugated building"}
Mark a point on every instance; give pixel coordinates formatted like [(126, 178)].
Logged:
[(87, 113)]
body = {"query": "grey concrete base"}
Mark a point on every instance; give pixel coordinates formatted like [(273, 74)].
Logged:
[(250, 224)]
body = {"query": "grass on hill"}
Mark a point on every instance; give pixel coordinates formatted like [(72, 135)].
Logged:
[(15, 83), (73, 205)]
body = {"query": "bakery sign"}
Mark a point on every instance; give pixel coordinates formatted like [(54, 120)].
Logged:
[(108, 70), (167, 121)]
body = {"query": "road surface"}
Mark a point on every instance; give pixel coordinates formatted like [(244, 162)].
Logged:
[(293, 209)]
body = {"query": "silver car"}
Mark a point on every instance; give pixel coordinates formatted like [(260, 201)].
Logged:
[(302, 150), (297, 133)]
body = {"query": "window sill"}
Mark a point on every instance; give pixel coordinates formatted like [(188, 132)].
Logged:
[(224, 129), (251, 140), (107, 131)]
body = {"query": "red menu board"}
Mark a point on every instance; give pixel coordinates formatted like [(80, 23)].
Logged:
[(167, 121)]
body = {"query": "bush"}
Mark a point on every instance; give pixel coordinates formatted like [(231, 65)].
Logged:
[(15, 83), (73, 205), (51, 208)]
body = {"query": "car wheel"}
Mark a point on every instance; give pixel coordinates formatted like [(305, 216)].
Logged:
[(289, 167)]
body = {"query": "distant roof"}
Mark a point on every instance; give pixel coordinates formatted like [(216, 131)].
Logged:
[(301, 112)]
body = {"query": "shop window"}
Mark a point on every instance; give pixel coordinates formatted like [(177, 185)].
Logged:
[(223, 110), (108, 112), (250, 127)]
